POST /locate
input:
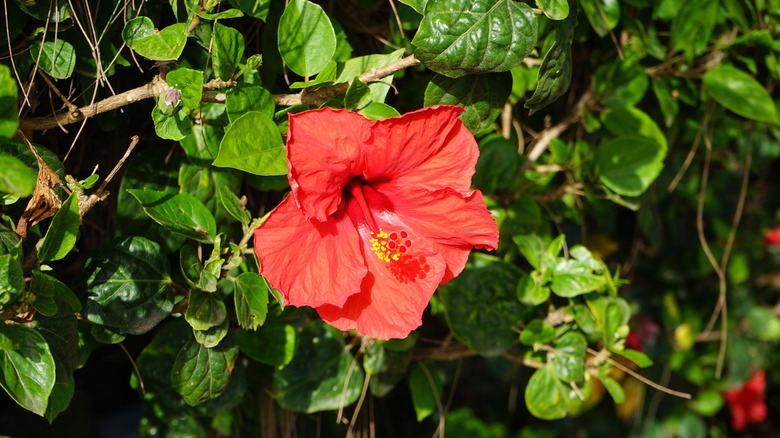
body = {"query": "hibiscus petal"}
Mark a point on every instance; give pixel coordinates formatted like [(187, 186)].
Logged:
[(312, 263), (429, 148), (393, 294), (451, 222), (325, 149)]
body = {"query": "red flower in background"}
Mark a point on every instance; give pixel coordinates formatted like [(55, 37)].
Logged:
[(379, 215), (747, 403), (772, 237)]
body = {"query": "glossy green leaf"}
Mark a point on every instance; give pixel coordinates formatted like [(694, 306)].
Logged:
[(692, 26), (163, 45), (233, 205), (227, 50), (205, 310), (189, 82), (11, 278), (603, 15), (243, 98), (56, 58), (319, 377), (573, 277), (533, 248), (631, 121), (61, 333), (545, 396), (174, 126), (640, 359), (481, 306), (554, 74), (251, 300), (427, 389), (537, 332), (253, 144), (128, 286), (27, 373), (741, 93), (628, 165), (9, 108), (181, 213), (460, 37), (554, 9), (17, 178), (569, 358), (386, 366), (63, 231), (273, 344), (211, 337), (222, 15), (193, 270), (58, 291), (253, 8), (532, 289), (200, 373), (417, 5), (307, 41), (483, 96), (378, 111), (356, 96)]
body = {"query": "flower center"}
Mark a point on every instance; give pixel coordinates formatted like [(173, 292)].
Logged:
[(389, 246)]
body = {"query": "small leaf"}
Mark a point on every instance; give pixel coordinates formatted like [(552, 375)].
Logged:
[(205, 310), (356, 96), (692, 26), (11, 279), (233, 205), (639, 358), (9, 111), (573, 277), (417, 5), (569, 358), (243, 98), (189, 82), (211, 337), (460, 37), (164, 45), (174, 126), (56, 58), (17, 179), (307, 41), (532, 290), (426, 388), (59, 400), (251, 300), (274, 344), (614, 389), (253, 144), (181, 213), (628, 165), (537, 332), (128, 286), (554, 9), (532, 247), (544, 395), (200, 374), (603, 15), (483, 96), (378, 111), (27, 373), (631, 121), (227, 50), (193, 270), (253, 8), (741, 93), (63, 231)]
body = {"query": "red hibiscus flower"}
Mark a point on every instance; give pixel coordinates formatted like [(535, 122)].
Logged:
[(379, 215), (747, 403), (772, 237)]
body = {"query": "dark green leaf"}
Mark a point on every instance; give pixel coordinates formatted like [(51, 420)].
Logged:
[(483, 96), (205, 310), (189, 82), (254, 8), (63, 231), (11, 278), (227, 50), (741, 93), (386, 367), (307, 41), (61, 333), (27, 373), (200, 373), (497, 165), (532, 247), (229, 13), (426, 389), (532, 290), (9, 109), (273, 344), (628, 165), (692, 26), (56, 58), (481, 306), (181, 213), (417, 5), (59, 400), (602, 14), (460, 37), (537, 332), (251, 300), (253, 144), (211, 337), (194, 271), (321, 375), (128, 286)]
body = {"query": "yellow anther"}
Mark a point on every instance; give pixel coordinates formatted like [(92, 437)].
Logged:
[(390, 246)]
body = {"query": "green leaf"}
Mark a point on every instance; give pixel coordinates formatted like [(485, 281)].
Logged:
[(481, 306), (9, 110), (63, 231), (181, 213), (630, 121), (253, 8), (253, 144), (274, 344), (614, 388), (356, 96), (163, 45), (61, 333), (569, 358), (233, 205), (554, 74), (223, 15), (426, 388), (243, 98), (603, 15), (573, 277), (497, 165), (692, 26), (386, 366), (532, 247), (628, 165), (307, 41), (483, 96), (554, 9), (194, 271), (11, 278), (189, 82), (545, 396), (173, 126), (321, 375), (707, 402), (460, 37), (251, 300), (211, 337), (378, 111), (200, 373), (227, 50), (17, 178), (532, 289), (614, 317), (639, 358), (741, 93), (128, 286), (59, 400), (27, 373), (205, 310), (43, 284), (417, 5), (762, 324), (56, 58), (537, 332)]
